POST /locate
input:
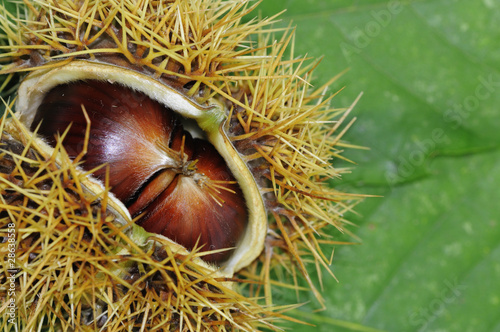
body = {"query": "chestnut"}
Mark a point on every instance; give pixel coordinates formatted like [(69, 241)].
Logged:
[(174, 184), (172, 166)]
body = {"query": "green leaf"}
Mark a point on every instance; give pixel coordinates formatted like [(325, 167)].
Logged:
[(430, 74)]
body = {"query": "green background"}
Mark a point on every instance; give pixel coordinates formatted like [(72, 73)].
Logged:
[(430, 76), (429, 73)]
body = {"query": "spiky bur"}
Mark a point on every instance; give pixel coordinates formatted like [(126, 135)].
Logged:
[(289, 136), (286, 130), (77, 268)]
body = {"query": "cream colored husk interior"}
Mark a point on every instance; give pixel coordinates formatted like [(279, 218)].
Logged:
[(38, 83)]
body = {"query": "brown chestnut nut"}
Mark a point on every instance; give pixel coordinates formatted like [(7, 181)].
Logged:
[(172, 165), (176, 185)]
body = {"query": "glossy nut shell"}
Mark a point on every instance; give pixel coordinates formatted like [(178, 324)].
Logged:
[(210, 118)]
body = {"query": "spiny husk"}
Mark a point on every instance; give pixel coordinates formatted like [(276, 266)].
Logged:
[(197, 41), (77, 268), (286, 130)]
